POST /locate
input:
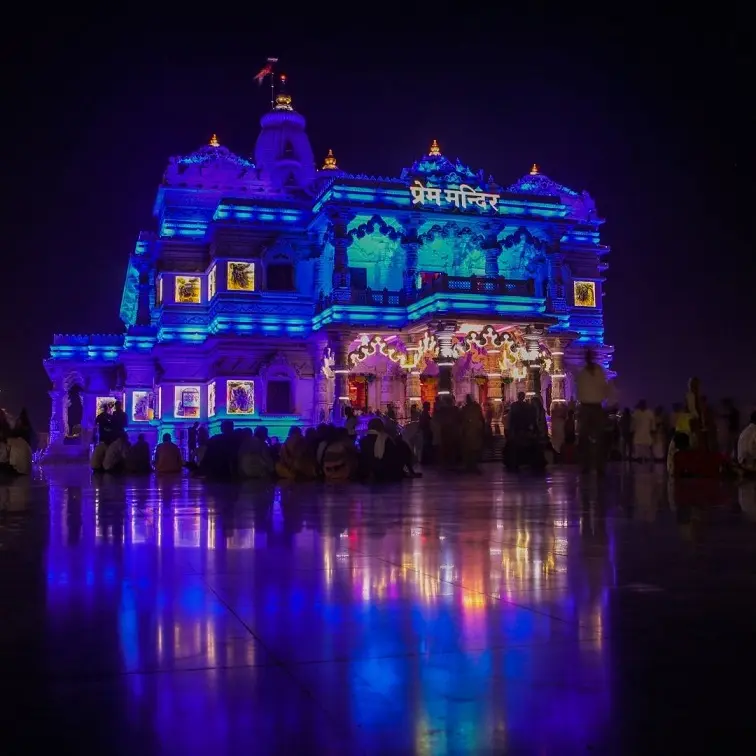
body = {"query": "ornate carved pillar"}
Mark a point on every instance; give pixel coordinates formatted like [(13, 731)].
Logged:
[(445, 331), (57, 417), (144, 309), (411, 246), (339, 343), (492, 250), (531, 358), (413, 391), (557, 373), (316, 254), (340, 240), (320, 383)]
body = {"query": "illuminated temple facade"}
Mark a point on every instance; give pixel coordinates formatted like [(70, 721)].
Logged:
[(275, 293)]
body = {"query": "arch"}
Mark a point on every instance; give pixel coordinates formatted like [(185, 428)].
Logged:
[(521, 254), (376, 248), (74, 378), (452, 249)]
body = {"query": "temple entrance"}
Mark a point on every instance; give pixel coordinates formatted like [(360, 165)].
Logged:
[(358, 398), (278, 398), (481, 383), (428, 389), (74, 414)]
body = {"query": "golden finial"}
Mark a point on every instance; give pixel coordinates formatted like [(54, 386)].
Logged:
[(534, 170), (283, 100), (214, 141), (435, 150), (330, 162)]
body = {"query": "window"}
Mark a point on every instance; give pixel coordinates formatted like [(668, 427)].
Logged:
[(358, 278), (279, 398), (280, 277)]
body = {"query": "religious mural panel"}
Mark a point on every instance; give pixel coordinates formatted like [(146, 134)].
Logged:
[(142, 406), (240, 276), (186, 402), (240, 397), (188, 289), (585, 293), (211, 399), (212, 282)]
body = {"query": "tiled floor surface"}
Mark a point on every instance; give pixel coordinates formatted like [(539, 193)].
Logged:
[(489, 614)]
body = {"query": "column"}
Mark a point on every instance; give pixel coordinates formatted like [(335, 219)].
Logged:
[(532, 360), (445, 335), (57, 418), (320, 383), (144, 311), (340, 241), (413, 391), (411, 246), (339, 344), (557, 374), (492, 250)]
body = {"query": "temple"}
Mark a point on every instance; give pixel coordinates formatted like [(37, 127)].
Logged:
[(275, 293)]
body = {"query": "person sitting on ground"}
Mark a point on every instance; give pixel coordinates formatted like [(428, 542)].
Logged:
[(747, 447), (19, 456), (168, 456), (338, 456), (138, 460), (98, 457), (380, 460), (222, 455), (115, 455), (294, 462), (255, 458)]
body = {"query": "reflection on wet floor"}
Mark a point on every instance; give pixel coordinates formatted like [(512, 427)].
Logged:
[(487, 614)]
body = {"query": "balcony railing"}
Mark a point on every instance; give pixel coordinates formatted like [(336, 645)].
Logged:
[(493, 286)]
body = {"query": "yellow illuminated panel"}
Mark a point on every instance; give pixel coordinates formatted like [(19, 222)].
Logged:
[(142, 406), (240, 276), (240, 398), (186, 402), (585, 293), (212, 282), (211, 397), (188, 289)]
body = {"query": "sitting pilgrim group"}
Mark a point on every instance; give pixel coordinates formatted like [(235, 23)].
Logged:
[(114, 453), (327, 452), (17, 443)]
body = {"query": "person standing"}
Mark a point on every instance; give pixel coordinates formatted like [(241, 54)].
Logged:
[(644, 428), (592, 392)]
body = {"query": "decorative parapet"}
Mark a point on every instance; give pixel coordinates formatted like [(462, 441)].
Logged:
[(94, 346)]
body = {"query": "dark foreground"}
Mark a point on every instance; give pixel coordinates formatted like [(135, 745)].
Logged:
[(458, 615)]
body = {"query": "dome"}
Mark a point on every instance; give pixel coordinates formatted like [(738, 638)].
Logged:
[(581, 204), (211, 164), (282, 151)]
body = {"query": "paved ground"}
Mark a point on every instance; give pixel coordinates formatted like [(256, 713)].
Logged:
[(448, 615)]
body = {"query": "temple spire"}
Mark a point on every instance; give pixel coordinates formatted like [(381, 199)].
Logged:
[(435, 150), (214, 141), (534, 171), (330, 162), (283, 100)]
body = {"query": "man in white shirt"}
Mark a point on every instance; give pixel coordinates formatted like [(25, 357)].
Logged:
[(747, 447), (592, 392)]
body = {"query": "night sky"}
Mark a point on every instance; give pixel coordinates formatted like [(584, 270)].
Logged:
[(648, 114)]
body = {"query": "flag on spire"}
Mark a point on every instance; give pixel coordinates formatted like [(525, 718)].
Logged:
[(266, 70)]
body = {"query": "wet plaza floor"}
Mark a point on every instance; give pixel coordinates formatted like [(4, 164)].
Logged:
[(447, 615)]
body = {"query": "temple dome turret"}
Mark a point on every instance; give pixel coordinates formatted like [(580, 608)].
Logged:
[(208, 166), (435, 167), (283, 152), (581, 204)]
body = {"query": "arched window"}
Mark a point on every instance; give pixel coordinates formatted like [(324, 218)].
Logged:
[(280, 277)]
